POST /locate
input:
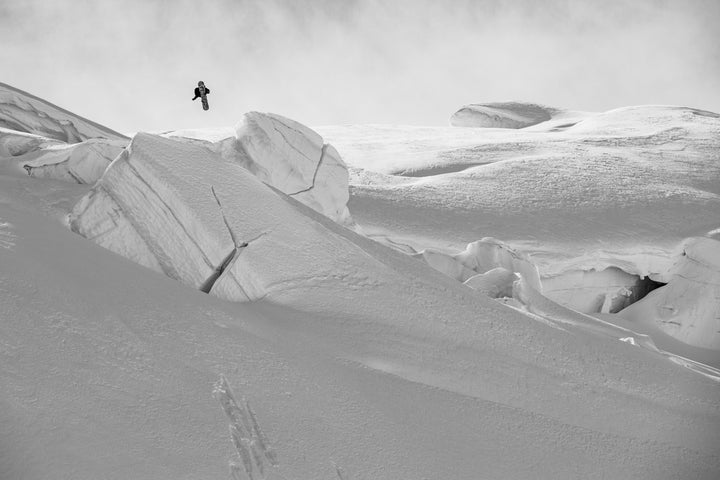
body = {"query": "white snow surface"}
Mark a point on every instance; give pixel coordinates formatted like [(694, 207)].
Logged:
[(480, 257), (182, 210), (354, 360), (688, 307), (502, 115), (595, 201), (287, 155), (50, 142), (23, 112)]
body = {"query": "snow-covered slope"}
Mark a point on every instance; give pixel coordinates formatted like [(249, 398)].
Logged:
[(23, 112), (182, 210), (50, 142), (354, 361), (285, 154), (597, 204), (119, 385)]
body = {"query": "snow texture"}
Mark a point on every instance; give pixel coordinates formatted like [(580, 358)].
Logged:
[(50, 142), (688, 307), (501, 115), (495, 283), (480, 257), (83, 162), (608, 291), (182, 210), (289, 156), (359, 361), (597, 202), (23, 112), (254, 453)]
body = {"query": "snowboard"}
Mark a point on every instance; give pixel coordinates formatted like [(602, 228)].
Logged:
[(203, 96)]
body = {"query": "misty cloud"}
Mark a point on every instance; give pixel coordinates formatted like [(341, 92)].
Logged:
[(133, 64)]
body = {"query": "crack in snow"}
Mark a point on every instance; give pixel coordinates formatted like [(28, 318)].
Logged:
[(288, 142), (317, 169), (231, 257), (222, 213)]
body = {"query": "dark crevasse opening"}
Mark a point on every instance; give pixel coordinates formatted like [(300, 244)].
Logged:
[(598, 291), (637, 292)]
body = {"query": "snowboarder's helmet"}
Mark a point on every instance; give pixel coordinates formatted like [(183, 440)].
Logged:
[(200, 83)]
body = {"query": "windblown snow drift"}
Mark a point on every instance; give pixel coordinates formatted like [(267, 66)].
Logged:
[(53, 143), (182, 210)]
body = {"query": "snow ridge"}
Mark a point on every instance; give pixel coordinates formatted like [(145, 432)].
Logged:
[(27, 113), (49, 142), (502, 115)]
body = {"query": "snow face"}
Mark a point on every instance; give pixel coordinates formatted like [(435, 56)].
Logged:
[(50, 142), (287, 155), (82, 162), (495, 283), (182, 210), (688, 307), (13, 143), (589, 291), (480, 257), (501, 115), (23, 112)]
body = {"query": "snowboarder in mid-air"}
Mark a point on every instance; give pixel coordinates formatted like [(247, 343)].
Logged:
[(201, 91)]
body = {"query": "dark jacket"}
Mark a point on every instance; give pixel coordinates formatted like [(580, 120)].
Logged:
[(197, 92)]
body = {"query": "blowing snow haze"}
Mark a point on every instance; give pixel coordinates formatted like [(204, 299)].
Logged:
[(133, 64)]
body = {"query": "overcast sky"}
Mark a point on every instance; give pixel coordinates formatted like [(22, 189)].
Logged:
[(132, 65)]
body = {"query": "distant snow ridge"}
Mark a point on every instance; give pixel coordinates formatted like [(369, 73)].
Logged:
[(292, 158), (502, 115)]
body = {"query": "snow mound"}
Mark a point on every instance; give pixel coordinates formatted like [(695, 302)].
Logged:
[(481, 257), (286, 155), (688, 307), (495, 283), (292, 158), (24, 112), (181, 210), (660, 124), (502, 115)]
